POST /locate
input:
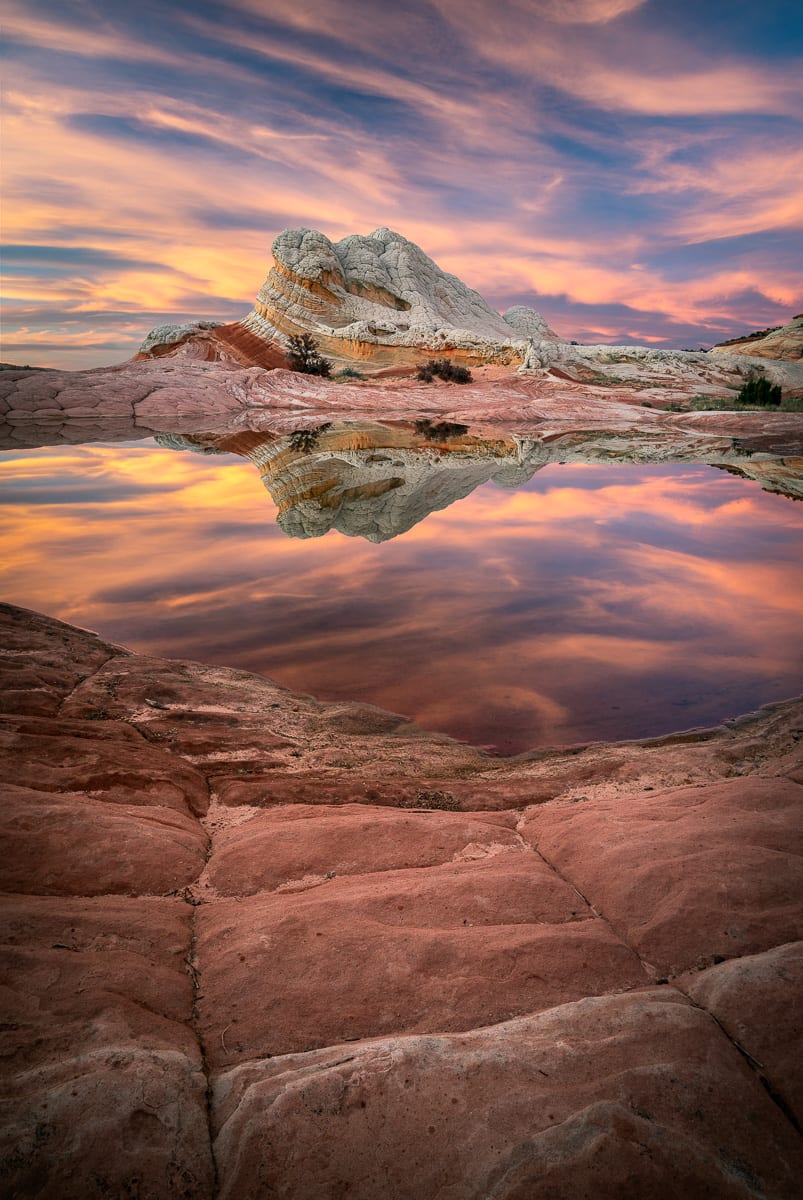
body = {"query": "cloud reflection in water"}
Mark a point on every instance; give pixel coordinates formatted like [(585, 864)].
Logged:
[(594, 602)]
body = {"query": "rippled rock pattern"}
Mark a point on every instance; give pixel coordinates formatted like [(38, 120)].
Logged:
[(381, 290), (254, 944)]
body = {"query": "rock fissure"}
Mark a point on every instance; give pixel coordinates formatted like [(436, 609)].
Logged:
[(755, 1066), (84, 679), (194, 903), (648, 969), (232, 1041)]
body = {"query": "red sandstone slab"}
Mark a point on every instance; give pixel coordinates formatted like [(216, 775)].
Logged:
[(501, 887), (152, 686), (71, 845), (605, 1098), (689, 874), (290, 972), (333, 787), (285, 844), (105, 758), (758, 1000), (230, 722), (77, 969), (43, 660), (103, 1092)]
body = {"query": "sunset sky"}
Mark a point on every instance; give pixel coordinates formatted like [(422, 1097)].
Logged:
[(632, 169)]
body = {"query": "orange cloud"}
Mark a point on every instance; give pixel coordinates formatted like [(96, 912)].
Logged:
[(325, 118)]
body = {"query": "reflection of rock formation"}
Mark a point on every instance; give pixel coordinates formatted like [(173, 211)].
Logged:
[(376, 481), (363, 294), (781, 475)]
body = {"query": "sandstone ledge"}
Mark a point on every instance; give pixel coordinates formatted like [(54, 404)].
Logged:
[(235, 968)]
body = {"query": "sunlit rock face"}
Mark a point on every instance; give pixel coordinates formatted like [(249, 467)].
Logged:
[(786, 343), (232, 345), (365, 294)]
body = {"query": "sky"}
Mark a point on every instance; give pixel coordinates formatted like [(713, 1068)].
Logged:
[(631, 168)]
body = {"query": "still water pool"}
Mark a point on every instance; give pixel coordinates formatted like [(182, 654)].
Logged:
[(593, 601)]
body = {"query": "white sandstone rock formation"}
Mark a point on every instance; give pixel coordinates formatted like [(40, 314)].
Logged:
[(171, 335), (383, 299), (382, 290)]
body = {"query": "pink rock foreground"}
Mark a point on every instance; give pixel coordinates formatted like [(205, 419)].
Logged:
[(234, 968)]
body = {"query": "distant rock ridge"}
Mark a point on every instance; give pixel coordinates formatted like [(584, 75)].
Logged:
[(785, 342), (364, 293)]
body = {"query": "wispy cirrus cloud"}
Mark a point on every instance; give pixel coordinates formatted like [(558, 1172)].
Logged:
[(621, 169)]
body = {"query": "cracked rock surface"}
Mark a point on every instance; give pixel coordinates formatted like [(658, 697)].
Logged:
[(234, 967)]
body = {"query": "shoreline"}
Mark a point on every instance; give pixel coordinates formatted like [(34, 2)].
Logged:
[(243, 926)]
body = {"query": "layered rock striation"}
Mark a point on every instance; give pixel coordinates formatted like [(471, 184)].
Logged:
[(376, 481), (255, 944), (365, 295), (786, 342)]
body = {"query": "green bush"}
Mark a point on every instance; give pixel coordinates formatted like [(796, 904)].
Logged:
[(698, 403), (305, 440), (304, 355), (439, 431), (350, 373), (445, 369), (759, 390)]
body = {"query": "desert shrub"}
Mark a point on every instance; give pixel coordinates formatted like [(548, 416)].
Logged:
[(304, 355), (350, 373), (445, 369), (759, 390), (305, 440), (439, 431), (436, 799)]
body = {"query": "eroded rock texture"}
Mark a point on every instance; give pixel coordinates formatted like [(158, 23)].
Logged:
[(256, 945), (785, 342), (381, 291), (201, 384)]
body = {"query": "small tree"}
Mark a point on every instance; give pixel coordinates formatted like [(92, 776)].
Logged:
[(439, 431), (759, 390), (304, 355)]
